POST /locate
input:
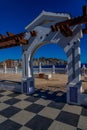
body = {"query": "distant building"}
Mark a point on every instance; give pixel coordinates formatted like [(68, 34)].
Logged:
[(44, 61), (12, 63)]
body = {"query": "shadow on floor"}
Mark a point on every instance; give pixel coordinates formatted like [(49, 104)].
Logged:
[(10, 85), (10, 82), (57, 96)]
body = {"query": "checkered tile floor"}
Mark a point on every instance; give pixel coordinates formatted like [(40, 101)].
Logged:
[(44, 110)]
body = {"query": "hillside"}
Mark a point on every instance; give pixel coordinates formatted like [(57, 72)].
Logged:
[(44, 61), (48, 61)]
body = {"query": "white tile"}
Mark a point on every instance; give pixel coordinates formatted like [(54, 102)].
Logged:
[(72, 109), (7, 92), (60, 126), (22, 96), (82, 122), (4, 98), (22, 104), (25, 128), (43, 102), (3, 106), (22, 117), (49, 112), (2, 119)]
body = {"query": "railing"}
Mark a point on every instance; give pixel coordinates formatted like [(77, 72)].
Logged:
[(10, 70), (50, 70), (35, 70), (43, 70)]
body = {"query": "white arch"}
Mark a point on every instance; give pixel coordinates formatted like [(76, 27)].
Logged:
[(71, 46)]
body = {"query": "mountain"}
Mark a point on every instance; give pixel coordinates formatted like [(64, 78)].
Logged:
[(48, 61), (10, 63), (36, 61)]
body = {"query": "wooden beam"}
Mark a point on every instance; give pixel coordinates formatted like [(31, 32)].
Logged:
[(68, 30), (8, 46), (33, 33), (73, 21), (12, 43), (84, 10), (65, 30), (12, 40), (65, 25), (54, 28), (11, 37), (84, 31), (10, 34)]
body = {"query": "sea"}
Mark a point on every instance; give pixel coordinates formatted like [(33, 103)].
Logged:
[(46, 68), (58, 66)]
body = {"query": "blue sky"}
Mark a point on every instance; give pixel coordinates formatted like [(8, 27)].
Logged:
[(16, 14)]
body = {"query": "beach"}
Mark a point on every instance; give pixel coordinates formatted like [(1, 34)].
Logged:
[(57, 82)]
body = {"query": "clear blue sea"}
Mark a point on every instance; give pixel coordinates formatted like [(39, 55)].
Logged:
[(57, 66)]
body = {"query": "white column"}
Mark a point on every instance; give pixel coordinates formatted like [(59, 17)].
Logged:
[(5, 68), (28, 66), (16, 69), (66, 69), (83, 72), (24, 64), (40, 68), (53, 69), (28, 79), (74, 86)]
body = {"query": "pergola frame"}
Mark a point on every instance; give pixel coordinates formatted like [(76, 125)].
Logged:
[(64, 27), (58, 29)]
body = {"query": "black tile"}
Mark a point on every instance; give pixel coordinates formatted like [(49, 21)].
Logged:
[(39, 123), (12, 101), (10, 111), (32, 99), (1, 95), (1, 91), (68, 118), (9, 125), (78, 129), (14, 94), (57, 105), (84, 111), (34, 108)]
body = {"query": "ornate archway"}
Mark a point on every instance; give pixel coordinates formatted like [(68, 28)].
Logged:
[(43, 34), (57, 28)]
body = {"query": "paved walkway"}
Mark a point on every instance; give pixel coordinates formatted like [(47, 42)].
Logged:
[(44, 110)]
